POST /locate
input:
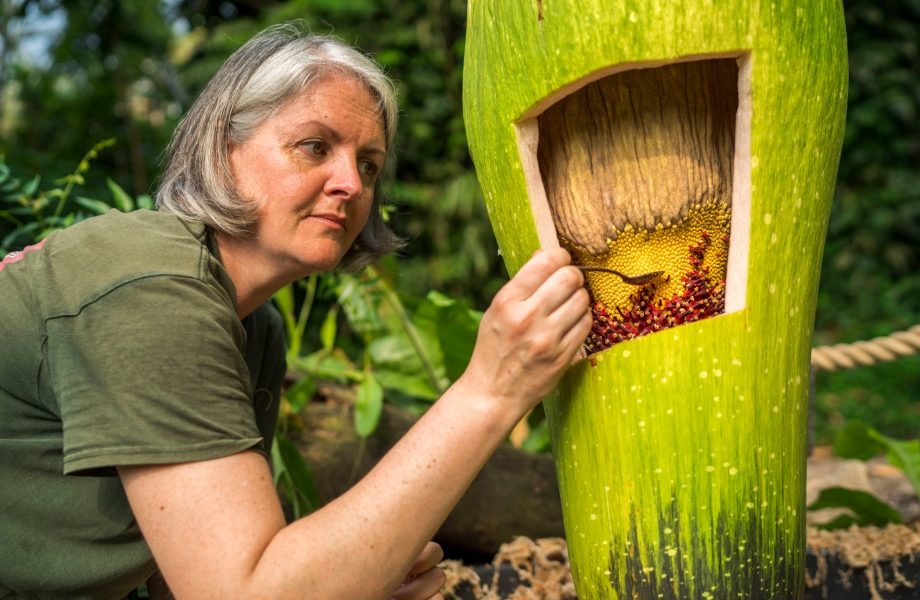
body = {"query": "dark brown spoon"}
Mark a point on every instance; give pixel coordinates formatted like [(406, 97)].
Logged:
[(637, 280)]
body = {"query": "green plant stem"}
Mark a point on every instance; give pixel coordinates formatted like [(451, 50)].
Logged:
[(11, 219), (305, 309), (81, 168), (393, 300)]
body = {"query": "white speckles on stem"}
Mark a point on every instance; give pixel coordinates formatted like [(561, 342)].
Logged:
[(798, 202), (733, 471), (717, 372), (772, 288), (593, 517), (633, 17), (710, 469), (768, 218), (755, 161), (625, 353), (703, 374), (773, 238)]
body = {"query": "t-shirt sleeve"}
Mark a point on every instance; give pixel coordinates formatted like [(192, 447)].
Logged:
[(150, 373)]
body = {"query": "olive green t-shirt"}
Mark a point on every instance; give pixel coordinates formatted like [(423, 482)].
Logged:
[(119, 345)]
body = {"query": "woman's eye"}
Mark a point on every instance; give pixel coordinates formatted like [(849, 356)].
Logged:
[(369, 168), (315, 147)]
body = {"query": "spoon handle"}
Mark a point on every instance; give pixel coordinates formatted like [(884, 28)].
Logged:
[(635, 280)]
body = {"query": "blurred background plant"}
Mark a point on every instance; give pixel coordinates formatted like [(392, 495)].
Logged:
[(74, 72)]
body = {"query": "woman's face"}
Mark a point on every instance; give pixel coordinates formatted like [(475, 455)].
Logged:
[(314, 164)]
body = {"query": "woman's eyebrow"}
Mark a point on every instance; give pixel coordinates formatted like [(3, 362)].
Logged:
[(371, 148)]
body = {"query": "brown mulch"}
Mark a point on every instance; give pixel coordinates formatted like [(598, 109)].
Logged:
[(544, 564)]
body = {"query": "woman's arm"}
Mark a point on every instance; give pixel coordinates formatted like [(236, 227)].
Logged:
[(216, 528)]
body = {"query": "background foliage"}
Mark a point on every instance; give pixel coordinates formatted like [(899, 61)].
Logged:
[(74, 72)]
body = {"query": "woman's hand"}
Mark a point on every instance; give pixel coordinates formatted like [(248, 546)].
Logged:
[(425, 579), (529, 335)]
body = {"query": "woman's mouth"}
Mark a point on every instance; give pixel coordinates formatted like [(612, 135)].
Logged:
[(332, 220)]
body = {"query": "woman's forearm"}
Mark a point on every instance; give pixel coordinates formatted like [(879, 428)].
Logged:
[(372, 534), (216, 528)]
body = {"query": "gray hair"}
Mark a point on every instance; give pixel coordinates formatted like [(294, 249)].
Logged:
[(255, 82)]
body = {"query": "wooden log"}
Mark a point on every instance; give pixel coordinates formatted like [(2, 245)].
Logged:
[(515, 493)]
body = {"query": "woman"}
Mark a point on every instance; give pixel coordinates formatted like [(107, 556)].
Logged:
[(142, 345)]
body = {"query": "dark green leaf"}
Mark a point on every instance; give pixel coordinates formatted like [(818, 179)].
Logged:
[(94, 206), (399, 366), (368, 405), (145, 202), (455, 328), (299, 394), (417, 385), (290, 466), (360, 303), (858, 440), (123, 201), (905, 456), (868, 509), (325, 365), (31, 187)]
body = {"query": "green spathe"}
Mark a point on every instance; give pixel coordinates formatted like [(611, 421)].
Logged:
[(681, 455)]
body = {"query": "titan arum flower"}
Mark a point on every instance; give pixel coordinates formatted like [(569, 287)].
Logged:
[(700, 139)]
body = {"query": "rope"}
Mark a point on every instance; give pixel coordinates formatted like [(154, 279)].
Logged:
[(880, 349)]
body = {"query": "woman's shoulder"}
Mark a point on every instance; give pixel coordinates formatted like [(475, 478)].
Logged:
[(83, 263)]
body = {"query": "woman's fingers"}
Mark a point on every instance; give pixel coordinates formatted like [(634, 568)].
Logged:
[(535, 272), (575, 337), (558, 290), (571, 312), (421, 586), (432, 554)]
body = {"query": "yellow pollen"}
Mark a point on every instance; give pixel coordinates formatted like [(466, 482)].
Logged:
[(666, 248)]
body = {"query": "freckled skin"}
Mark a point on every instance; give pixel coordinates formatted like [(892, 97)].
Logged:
[(312, 166), (287, 164)]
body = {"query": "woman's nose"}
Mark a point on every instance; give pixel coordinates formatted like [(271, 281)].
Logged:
[(344, 179)]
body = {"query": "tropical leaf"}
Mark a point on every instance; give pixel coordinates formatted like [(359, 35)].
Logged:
[(858, 440), (123, 201), (294, 476), (868, 509), (368, 405), (97, 207)]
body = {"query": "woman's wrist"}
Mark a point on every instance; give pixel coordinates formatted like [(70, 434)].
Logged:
[(498, 414)]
